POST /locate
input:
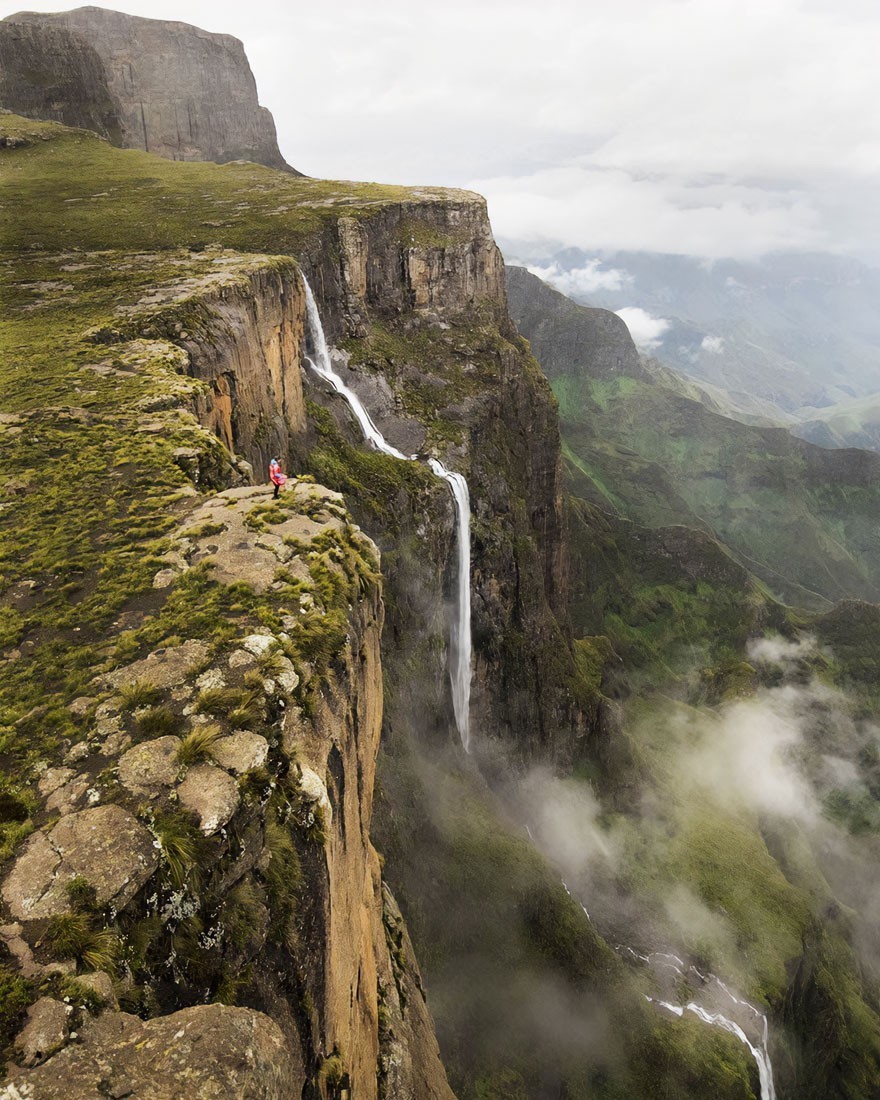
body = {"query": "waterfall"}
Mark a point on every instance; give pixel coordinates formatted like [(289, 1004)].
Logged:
[(460, 668), (714, 985), (460, 647)]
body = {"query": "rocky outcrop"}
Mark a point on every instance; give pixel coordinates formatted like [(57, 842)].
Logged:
[(235, 852), (415, 293), (176, 90), (49, 72), (207, 1051)]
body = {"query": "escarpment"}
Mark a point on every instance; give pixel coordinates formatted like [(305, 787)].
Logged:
[(164, 87), (193, 667), (417, 306)]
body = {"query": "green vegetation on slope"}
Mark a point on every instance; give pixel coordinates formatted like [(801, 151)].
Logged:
[(799, 517), (69, 189)]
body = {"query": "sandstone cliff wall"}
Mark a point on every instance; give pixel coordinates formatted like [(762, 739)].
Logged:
[(178, 91)]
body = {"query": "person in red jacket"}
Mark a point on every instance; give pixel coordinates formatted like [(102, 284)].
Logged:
[(276, 477)]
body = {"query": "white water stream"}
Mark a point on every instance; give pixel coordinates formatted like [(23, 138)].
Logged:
[(460, 647), (723, 997), (460, 678)]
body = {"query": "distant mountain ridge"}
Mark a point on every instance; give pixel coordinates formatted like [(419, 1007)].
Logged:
[(799, 517), (798, 331), (161, 86)]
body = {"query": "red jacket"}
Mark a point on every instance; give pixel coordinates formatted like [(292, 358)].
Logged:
[(275, 474)]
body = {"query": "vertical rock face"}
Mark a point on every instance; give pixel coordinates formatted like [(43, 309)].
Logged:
[(249, 352), (178, 91), (49, 72), (429, 274)]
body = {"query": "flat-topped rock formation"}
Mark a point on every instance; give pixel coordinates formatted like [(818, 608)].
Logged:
[(165, 87)]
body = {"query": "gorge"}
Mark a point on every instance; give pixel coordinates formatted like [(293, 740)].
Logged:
[(266, 765)]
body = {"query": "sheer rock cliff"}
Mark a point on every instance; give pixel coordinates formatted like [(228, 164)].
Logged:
[(173, 89)]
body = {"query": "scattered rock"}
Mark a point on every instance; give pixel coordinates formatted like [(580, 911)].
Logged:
[(241, 752), (105, 845), (77, 752), (20, 950), (259, 644), (208, 1052), (211, 794), (165, 668), (315, 790), (81, 706), (150, 765), (101, 983), (286, 676), (211, 679), (240, 658), (45, 1032), (52, 779), (116, 743), (165, 578), (66, 798)]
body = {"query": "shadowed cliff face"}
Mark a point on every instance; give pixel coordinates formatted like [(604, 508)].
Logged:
[(176, 90), (641, 444), (49, 72)]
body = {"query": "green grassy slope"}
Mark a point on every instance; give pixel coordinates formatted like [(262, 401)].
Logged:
[(802, 518)]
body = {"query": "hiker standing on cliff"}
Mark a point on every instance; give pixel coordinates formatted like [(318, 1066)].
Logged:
[(276, 477)]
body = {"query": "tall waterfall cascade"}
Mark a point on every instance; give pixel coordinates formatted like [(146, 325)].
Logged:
[(460, 641)]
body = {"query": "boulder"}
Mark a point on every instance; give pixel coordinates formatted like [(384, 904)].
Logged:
[(241, 752), (150, 765), (211, 794), (52, 779), (166, 668), (105, 845), (101, 984), (207, 1052), (65, 798), (45, 1031)]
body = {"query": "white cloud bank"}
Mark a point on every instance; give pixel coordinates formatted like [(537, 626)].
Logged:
[(646, 331), (708, 127), (582, 281)]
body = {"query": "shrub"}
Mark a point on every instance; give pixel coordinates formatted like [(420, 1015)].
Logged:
[(76, 936), (183, 847)]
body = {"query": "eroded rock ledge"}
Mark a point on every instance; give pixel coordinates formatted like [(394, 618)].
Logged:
[(213, 838)]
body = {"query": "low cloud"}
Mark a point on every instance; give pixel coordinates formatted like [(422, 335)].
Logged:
[(646, 331), (746, 757), (713, 344), (581, 282)]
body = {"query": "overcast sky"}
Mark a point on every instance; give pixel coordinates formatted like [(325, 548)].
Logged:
[(707, 127)]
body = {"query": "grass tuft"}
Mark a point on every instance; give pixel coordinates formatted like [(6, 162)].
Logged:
[(197, 744)]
